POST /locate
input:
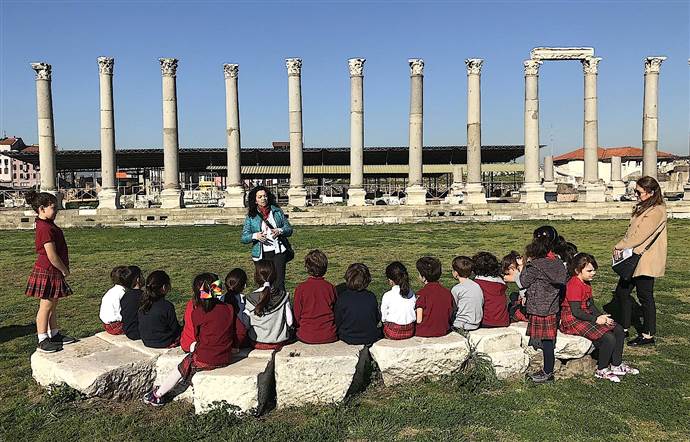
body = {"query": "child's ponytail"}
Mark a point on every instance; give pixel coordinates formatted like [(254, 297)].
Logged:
[(206, 288), (397, 273), (157, 286), (40, 199), (264, 275)]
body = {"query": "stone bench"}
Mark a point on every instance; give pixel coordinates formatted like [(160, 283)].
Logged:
[(417, 358), (504, 346), (567, 346)]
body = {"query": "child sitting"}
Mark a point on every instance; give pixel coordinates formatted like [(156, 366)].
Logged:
[(110, 314), (129, 305), (467, 295), (158, 326), (268, 310), (397, 305), (235, 283), (213, 323), (188, 336), (314, 302), (579, 316), (488, 275), (512, 266), (356, 310), (434, 306)]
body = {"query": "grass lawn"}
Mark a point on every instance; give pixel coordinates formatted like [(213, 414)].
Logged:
[(652, 406)]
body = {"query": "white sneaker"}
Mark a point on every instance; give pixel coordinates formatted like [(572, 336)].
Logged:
[(623, 369), (606, 374)]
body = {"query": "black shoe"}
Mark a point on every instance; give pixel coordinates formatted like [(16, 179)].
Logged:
[(626, 333), (48, 346), (59, 338), (641, 340), (541, 378)]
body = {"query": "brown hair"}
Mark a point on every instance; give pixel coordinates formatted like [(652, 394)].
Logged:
[(157, 286), (397, 273), (429, 267), (203, 280), (538, 248), (40, 199), (316, 263), (265, 272), (650, 185), (121, 275), (486, 264), (579, 262), (235, 281), (357, 276), (511, 259), (463, 266)]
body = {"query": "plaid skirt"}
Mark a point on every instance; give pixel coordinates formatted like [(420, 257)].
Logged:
[(574, 326), (47, 283), (264, 346), (542, 327), (114, 328), (398, 332), (190, 365)]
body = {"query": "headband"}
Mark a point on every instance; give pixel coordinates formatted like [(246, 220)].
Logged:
[(214, 290)]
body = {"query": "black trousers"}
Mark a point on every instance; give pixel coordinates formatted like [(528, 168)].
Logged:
[(279, 263), (610, 347), (644, 285)]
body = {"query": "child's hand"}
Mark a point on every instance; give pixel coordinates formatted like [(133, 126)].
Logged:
[(520, 263), (604, 320)]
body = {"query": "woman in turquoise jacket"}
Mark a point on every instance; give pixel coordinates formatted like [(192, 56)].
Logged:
[(266, 227)]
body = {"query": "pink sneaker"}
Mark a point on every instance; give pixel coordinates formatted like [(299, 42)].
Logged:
[(623, 369), (606, 374)]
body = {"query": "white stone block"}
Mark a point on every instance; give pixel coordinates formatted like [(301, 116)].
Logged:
[(165, 364), (567, 346), (417, 358), (491, 340), (509, 363), (138, 345)]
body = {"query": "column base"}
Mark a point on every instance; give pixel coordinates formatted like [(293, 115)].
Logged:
[(416, 196), (474, 194), (297, 196), (591, 193), (234, 196), (550, 187), (356, 197), (616, 189), (171, 199), (532, 193), (109, 199), (686, 192), (455, 195)]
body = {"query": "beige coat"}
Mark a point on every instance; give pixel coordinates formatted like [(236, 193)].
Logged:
[(641, 231)]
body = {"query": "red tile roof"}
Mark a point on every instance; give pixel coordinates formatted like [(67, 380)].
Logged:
[(605, 153), (8, 141), (30, 149)]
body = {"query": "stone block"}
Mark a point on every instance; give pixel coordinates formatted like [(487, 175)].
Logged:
[(417, 358), (138, 345), (168, 362), (491, 340), (316, 374), (567, 346), (509, 363)]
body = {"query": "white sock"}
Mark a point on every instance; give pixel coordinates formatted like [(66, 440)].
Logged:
[(42, 336), (52, 333), (169, 383)]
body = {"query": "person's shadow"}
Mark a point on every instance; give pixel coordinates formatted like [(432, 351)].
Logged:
[(10, 332)]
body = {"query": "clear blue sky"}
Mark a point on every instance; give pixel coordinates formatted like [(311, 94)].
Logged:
[(259, 36)]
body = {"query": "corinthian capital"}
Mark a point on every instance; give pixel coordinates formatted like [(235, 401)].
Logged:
[(231, 70), (532, 67), (168, 66), (356, 66), (43, 70), (416, 66), (652, 65), (106, 65), (590, 65), (294, 66), (474, 66)]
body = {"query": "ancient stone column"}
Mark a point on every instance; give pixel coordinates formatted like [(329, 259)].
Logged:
[(46, 135), (297, 194), (455, 193), (108, 197), (532, 191), (650, 112), (686, 187), (416, 193), (474, 191), (171, 196), (549, 184), (616, 187), (591, 190), (356, 193), (234, 191)]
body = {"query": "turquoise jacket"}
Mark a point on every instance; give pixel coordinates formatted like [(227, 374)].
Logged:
[(253, 225)]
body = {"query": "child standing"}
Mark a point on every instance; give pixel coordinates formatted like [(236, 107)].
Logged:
[(110, 312), (47, 279), (489, 276), (544, 279), (357, 314), (129, 305), (468, 296), (580, 316), (314, 302), (235, 283), (397, 305), (213, 322), (434, 306), (158, 326), (268, 310)]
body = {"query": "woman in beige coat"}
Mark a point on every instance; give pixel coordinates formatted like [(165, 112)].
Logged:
[(647, 226)]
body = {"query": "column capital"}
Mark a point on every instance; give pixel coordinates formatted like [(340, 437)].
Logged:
[(231, 70), (106, 65), (590, 65), (356, 66), (474, 66), (294, 66), (416, 67), (168, 66), (43, 70), (652, 65), (532, 67)]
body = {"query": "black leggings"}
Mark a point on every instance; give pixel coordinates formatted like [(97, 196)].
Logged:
[(548, 347), (645, 293), (279, 263), (610, 347)]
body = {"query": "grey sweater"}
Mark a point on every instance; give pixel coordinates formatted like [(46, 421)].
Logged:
[(273, 326), (544, 279)]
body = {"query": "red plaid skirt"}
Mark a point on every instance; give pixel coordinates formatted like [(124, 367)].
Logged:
[(398, 332), (190, 365), (47, 283), (264, 346), (542, 327), (114, 328), (573, 326)]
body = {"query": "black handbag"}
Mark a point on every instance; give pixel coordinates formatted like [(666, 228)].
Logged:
[(625, 268)]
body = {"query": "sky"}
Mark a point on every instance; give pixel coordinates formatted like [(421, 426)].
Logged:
[(258, 36)]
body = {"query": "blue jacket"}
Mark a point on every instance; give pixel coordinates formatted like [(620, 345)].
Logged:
[(253, 225)]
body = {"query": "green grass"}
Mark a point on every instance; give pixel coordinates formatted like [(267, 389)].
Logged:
[(652, 406)]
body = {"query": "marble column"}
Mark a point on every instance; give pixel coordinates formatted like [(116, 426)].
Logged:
[(591, 189), (46, 134), (549, 184), (650, 134), (474, 191), (356, 193), (616, 187), (416, 193), (297, 194), (108, 197), (171, 195), (532, 191), (455, 193), (234, 191), (686, 187)]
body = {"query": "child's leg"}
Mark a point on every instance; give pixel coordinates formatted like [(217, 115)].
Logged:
[(617, 354), (52, 319), (43, 317), (548, 346), (169, 383), (607, 344)]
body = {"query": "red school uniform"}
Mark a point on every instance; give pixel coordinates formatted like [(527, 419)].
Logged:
[(436, 303), (214, 332), (45, 280), (495, 303), (578, 291), (314, 317), (187, 337)]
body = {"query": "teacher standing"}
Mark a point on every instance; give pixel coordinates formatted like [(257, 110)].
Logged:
[(647, 229), (266, 227)]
